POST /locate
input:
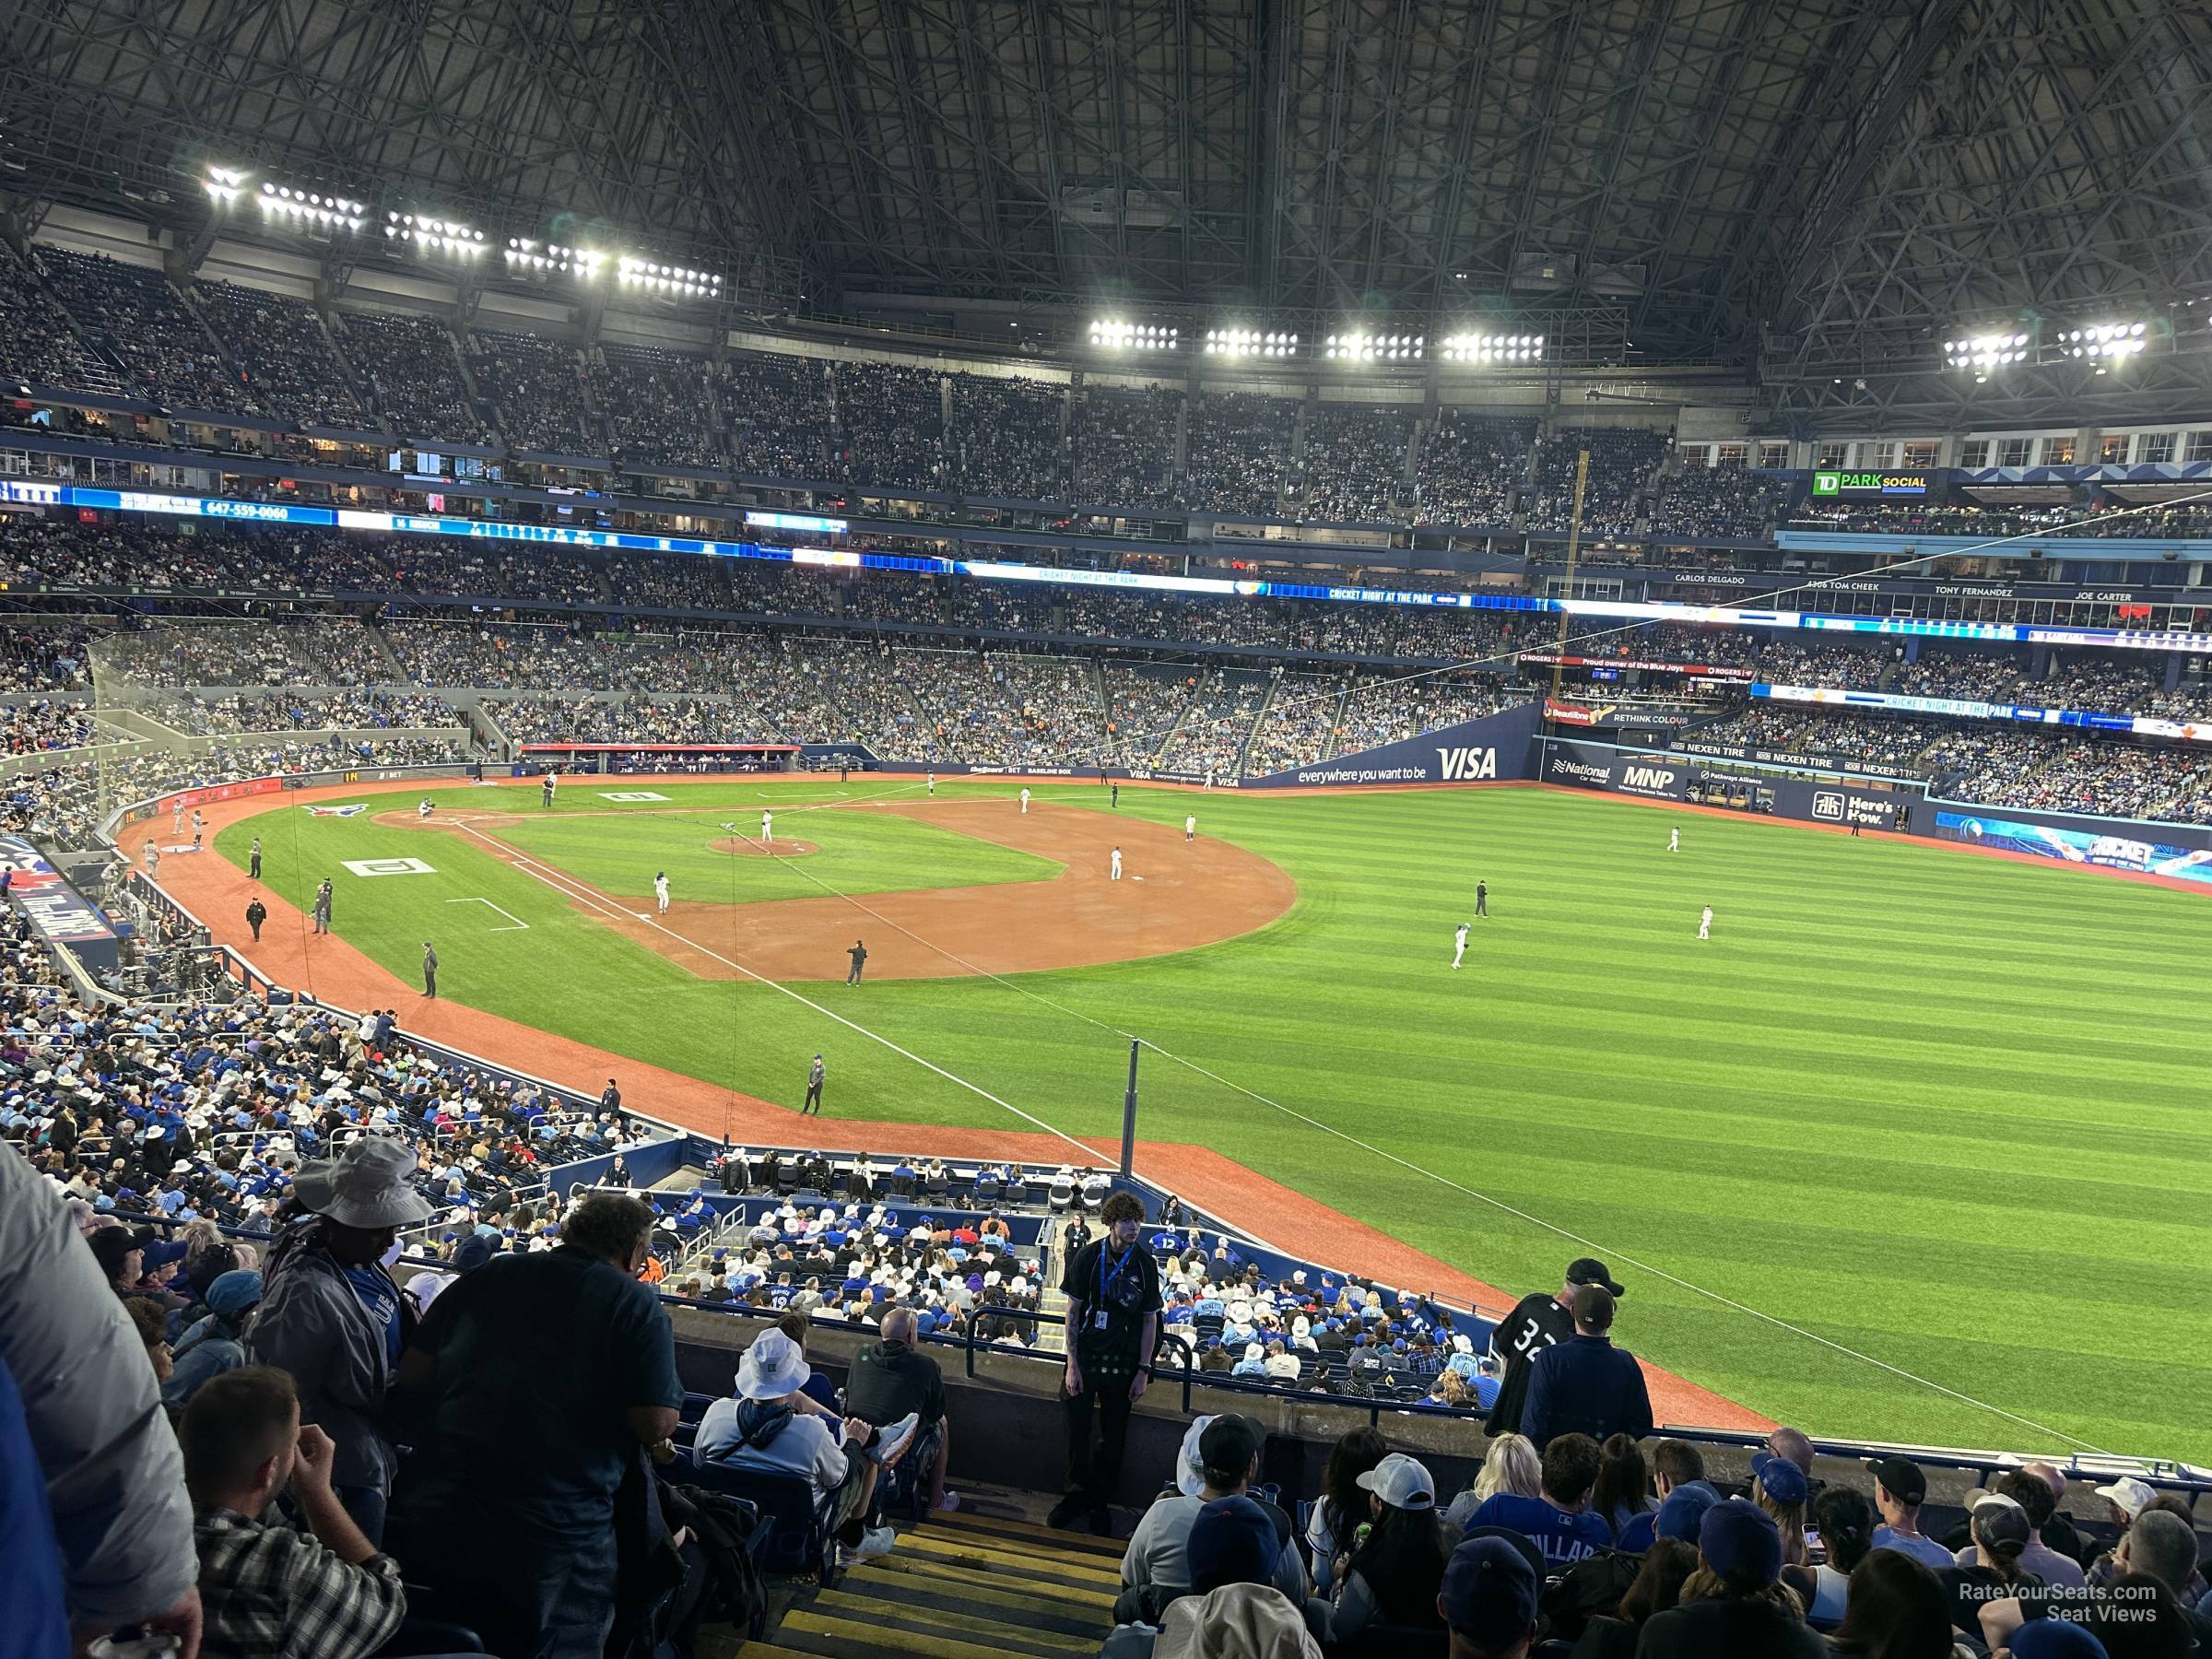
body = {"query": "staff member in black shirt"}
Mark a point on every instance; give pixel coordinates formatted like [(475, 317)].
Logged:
[(1536, 1323), (1113, 1306)]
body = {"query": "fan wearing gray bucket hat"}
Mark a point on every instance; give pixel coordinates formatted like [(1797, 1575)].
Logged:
[(332, 1314)]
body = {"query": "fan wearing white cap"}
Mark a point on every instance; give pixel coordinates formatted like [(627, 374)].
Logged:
[(332, 1314), (1394, 1574), (762, 1427)]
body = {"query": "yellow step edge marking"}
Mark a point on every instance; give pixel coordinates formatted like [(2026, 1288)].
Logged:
[(980, 1625)]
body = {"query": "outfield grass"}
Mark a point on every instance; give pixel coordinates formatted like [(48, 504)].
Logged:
[(1946, 1110)]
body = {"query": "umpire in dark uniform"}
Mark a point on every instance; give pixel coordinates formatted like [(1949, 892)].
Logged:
[(429, 970), (859, 953), (257, 913), (815, 1073)]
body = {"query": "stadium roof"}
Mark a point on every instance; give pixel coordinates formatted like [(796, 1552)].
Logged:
[(1806, 184)]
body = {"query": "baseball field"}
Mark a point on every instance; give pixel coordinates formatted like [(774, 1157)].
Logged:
[(1917, 1146)]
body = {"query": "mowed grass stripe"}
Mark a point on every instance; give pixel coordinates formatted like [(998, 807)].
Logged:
[(1939, 1108)]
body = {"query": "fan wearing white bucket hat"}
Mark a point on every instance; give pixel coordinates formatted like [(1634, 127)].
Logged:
[(332, 1314), (762, 1426)]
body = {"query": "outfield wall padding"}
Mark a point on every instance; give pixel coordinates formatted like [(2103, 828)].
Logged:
[(1494, 749), (1665, 775)]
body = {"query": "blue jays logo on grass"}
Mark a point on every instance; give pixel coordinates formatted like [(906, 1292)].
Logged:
[(347, 811)]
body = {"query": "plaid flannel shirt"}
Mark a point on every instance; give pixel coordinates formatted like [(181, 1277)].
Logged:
[(270, 1589)]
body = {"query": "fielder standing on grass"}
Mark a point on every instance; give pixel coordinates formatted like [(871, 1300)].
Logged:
[(429, 971), (768, 828), (659, 891), (1674, 840), (1459, 943), (933, 783), (1482, 898), (545, 791), (813, 1088), (1705, 923)]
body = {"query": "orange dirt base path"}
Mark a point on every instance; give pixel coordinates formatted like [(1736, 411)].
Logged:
[(333, 971), (1174, 895)]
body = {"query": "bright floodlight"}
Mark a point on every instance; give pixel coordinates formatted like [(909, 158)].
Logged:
[(1982, 353), (1491, 347), (1114, 335), (1251, 342)]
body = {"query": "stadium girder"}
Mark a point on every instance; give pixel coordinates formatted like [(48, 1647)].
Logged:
[(1818, 190)]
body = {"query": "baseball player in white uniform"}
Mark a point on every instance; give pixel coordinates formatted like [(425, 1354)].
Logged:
[(422, 808), (176, 817), (1705, 923), (659, 891), (1190, 826), (199, 826), (1459, 943), (1025, 803), (1674, 840), (1116, 874), (767, 828), (932, 785)]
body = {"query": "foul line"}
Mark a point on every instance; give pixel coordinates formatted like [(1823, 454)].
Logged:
[(520, 926), (561, 882), (1593, 1245)]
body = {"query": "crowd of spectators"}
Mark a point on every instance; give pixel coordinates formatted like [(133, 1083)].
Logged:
[(999, 708), (1124, 446), (1225, 704), (778, 410), (1715, 504), (1469, 466), (1009, 436), (1300, 725), (1622, 460), (535, 385), (45, 659), (202, 716), (280, 346), (38, 342), (2103, 517), (130, 314), (31, 728), (413, 371), (1354, 462), (2105, 777), (1237, 447), (657, 404), (891, 417)]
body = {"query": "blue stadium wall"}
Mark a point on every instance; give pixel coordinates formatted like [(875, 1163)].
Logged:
[(2179, 851)]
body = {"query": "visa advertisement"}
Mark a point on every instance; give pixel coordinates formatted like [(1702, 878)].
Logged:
[(2102, 849)]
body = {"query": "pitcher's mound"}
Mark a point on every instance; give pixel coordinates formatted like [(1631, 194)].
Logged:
[(786, 847)]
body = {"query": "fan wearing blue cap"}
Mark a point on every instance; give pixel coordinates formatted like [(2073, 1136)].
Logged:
[(1735, 1606), (216, 1342), (1487, 1600)]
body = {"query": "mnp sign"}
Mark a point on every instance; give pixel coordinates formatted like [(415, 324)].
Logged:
[(1656, 774), (1489, 750)]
